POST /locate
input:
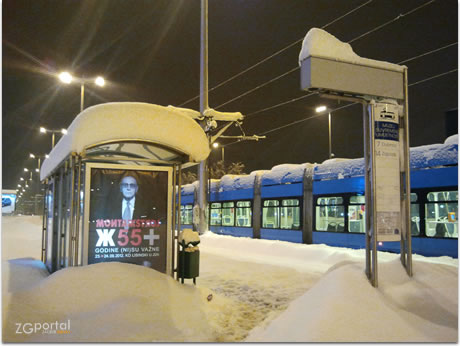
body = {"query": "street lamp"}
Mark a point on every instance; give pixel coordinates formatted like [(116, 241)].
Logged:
[(67, 78), (216, 145), (321, 109), (53, 132)]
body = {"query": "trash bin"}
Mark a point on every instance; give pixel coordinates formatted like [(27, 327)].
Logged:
[(188, 266)]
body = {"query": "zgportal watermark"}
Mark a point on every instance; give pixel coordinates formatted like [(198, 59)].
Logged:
[(43, 327)]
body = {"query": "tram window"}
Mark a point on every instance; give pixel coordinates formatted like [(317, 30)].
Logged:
[(441, 212), (357, 214), (414, 215), (216, 214), (186, 213), (270, 214), (228, 214), (330, 214), (290, 214), (243, 214)]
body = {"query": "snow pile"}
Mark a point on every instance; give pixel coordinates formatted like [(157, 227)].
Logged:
[(285, 173), (129, 120), (321, 44), (344, 307), (452, 140), (188, 236), (271, 290), (433, 155), (343, 168), (236, 182), (110, 302)]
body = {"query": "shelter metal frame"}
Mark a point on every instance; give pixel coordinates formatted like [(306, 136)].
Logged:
[(66, 203)]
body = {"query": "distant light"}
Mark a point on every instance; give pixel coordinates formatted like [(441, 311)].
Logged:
[(19, 185), (65, 77), (380, 243), (42, 130), (215, 145), (26, 170), (47, 156), (320, 109), (32, 156), (37, 170), (100, 81), (64, 131), (22, 179)]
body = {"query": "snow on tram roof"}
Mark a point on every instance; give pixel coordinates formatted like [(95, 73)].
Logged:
[(130, 120)]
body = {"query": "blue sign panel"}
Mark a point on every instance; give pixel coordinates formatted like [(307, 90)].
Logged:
[(386, 130)]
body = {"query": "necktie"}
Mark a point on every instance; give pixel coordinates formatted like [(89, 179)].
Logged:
[(127, 213)]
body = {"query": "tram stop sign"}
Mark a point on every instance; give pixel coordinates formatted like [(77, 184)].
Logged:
[(387, 171)]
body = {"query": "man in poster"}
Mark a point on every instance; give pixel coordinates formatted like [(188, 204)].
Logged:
[(126, 207)]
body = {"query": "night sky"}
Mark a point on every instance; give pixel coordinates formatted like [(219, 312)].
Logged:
[(149, 51)]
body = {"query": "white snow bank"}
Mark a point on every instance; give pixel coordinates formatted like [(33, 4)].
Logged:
[(452, 140), (130, 120), (320, 43), (111, 302), (344, 307)]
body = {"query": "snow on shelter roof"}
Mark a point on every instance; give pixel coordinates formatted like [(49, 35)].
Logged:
[(129, 120), (321, 44)]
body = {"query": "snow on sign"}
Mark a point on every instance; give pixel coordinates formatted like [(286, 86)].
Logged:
[(387, 172)]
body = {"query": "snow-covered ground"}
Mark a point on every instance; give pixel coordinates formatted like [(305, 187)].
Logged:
[(248, 290)]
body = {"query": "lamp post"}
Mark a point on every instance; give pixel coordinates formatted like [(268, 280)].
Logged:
[(67, 78), (53, 132), (216, 145), (321, 109)]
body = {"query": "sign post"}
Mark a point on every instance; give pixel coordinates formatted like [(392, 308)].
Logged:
[(382, 89)]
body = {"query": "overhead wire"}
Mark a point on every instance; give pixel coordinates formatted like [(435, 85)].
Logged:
[(351, 104), (356, 38), (274, 54), (310, 94)]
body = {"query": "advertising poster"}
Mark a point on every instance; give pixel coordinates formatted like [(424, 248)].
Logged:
[(8, 202), (128, 217), (387, 173)]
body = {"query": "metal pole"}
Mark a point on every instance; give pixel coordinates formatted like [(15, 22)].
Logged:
[(52, 140), (367, 189), (330, 143), (407, 177), (202, 198), (374, 275), (82, 97), (223, 151)]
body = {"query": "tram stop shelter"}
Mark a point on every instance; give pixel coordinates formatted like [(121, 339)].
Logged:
[(110, 186)]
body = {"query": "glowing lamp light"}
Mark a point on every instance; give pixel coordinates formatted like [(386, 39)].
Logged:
[(99, 81), (42, 130), (26, 170), (32, 156), (64, 131), (65, 77), (320, 109), (380, 243), (215, 145)]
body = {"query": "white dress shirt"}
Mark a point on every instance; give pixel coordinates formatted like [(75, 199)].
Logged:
[(131, 206)]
